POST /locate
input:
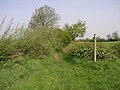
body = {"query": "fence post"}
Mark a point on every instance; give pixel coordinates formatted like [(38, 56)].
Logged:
[(94, 47)]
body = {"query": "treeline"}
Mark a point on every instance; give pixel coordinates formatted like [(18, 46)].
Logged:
[(109, 38), (113, 37)]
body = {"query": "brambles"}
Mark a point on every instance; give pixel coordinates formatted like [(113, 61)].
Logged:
[(79, 50), (85, 50), (106, 51)]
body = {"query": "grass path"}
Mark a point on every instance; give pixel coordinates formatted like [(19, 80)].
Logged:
[(47, 74), (57, 58)]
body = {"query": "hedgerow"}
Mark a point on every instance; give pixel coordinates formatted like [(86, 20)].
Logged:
[(84, 50), (20, 41)]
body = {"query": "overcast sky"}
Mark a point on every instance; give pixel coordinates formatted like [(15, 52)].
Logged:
[(102, 16)]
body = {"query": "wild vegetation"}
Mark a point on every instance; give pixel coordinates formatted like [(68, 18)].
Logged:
[(47, 74), (44, 56), (84, 50)]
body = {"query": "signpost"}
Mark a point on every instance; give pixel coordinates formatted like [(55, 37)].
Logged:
[(94, 47)]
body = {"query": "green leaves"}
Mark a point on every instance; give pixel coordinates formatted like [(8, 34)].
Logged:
[(85, 50), (76, 30), (80, 50)]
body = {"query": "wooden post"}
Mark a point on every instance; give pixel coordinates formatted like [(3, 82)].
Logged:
[(94, 47)]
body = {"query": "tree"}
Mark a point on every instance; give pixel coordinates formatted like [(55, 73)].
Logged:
[(98, 38), (109, 37), (44, 17), (75, 30), (115, 35)]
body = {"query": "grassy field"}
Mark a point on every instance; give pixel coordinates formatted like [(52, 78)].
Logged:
[(47, 74)]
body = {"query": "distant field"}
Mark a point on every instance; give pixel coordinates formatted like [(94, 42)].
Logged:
[(47, 74)]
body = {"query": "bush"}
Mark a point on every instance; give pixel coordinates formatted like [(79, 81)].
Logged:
[(25, 42), (19, 41), (8, 39), (79, 50), (106, 51), (84, 50)]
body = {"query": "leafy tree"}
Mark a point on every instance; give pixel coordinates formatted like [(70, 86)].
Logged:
[(75, 30), (98, 38), (109, 37), (62, 36), (44, 17), (115, 35)]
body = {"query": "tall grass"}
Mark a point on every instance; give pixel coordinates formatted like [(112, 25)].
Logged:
[(46, 74)]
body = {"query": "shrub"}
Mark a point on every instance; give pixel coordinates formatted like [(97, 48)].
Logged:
[(106, 51), (116, 48), (19, 41), (81, 50), (84, 50), (8, 39)]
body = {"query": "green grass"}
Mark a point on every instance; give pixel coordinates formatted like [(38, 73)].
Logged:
[(47, 74)]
